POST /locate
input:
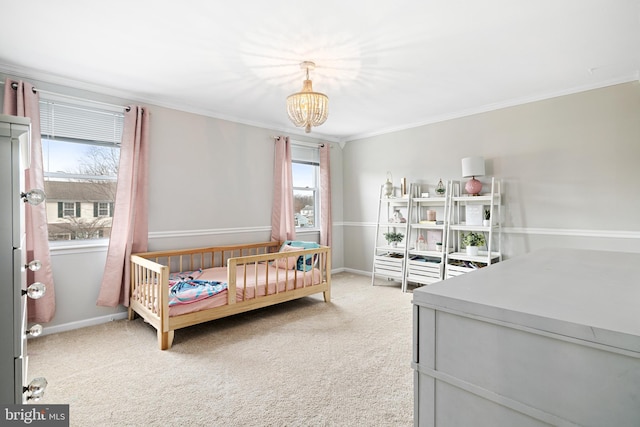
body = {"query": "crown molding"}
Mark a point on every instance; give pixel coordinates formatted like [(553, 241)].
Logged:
[(23, 73), (496, 106)]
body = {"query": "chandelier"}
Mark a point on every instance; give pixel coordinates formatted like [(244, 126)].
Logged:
[(307, 108)]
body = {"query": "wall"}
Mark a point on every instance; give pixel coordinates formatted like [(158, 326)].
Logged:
[(210, 183), (568, 166)]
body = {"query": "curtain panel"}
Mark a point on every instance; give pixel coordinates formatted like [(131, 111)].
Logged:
[(325, 195), (282, 219), (129, 231), (24, 101)]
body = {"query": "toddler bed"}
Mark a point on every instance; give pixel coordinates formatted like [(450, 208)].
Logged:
[(180, 288)]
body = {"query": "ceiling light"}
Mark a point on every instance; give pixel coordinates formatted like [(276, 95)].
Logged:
[(307, 108)]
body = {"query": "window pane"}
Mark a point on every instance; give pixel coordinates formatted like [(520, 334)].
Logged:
[(304, 175), (304, 208), (79, 158), (68, 209), (80, 183), (103, 209)]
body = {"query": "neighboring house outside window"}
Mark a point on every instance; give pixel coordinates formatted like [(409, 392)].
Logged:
[(85, 217)]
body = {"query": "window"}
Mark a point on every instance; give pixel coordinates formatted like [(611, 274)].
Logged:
[(306, 195), (103, 209), (67, 209), (80, 150)]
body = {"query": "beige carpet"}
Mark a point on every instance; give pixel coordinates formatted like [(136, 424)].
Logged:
[(302, 363)]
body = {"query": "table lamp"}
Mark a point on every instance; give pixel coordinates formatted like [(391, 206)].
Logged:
[(472, 167)]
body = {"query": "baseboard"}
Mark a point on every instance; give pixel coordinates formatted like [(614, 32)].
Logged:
[(354, 271), (65, 327), (83, 323)]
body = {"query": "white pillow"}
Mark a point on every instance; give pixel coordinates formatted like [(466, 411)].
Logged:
[(288, 263)]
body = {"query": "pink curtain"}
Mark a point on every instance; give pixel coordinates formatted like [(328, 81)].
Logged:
[(129, 230), (21, 99), (282, 222), (325, 195)]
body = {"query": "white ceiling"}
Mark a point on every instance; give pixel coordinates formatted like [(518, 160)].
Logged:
[(385, 65)]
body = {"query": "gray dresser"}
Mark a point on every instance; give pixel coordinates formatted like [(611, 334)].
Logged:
[(548, 338), (14, 159)]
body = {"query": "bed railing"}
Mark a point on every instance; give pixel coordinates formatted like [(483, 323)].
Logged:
[(214, 256), (250, 263)]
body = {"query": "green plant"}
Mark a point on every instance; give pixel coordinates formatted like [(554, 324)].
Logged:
[(393, 236), (473, 239), (487, 214)]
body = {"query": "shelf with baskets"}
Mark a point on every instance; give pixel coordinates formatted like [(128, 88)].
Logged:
[(426, 238), (390, 239), (473, 221)]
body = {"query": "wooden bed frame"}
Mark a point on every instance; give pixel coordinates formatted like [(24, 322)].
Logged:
[(151, 302)]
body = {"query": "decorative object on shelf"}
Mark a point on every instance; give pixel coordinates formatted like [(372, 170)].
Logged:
[(403, 187), (471, 168), (431, 215), (421, 244), (473, 214), (472, 241), (487, 218), (388, 186), (393, 238), (308, 108), (397, 218), (439, 246), (440, 188)]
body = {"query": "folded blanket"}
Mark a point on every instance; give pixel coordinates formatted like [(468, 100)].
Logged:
[(307, 262), (185, 287)]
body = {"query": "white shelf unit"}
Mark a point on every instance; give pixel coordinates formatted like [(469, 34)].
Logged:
[(458, 262), (425, 262), (388, 260)]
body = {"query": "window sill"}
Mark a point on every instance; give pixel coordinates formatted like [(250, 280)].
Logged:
[(307, 230), (78, 246)]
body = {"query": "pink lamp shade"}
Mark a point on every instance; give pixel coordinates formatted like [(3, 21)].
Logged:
[(472, 167)]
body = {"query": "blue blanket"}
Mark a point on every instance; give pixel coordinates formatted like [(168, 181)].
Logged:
[(185, 287)]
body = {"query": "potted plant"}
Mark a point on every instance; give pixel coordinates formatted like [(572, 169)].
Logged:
[(471, 241), (487, 218), (393, 238)]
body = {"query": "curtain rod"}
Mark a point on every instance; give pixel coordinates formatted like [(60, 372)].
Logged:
[(306, 144), (14, 86)]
